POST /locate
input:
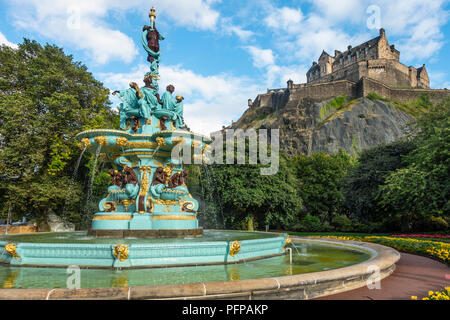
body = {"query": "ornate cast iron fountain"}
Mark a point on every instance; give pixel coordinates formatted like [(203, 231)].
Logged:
[(148, 196)]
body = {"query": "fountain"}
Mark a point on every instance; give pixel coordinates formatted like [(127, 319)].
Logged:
[(148, 197), (148, 220)]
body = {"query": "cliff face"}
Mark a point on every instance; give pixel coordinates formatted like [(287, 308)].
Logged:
[(307, 126)]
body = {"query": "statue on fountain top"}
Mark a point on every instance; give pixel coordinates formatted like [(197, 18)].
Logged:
[(150, 39), (140, 104)]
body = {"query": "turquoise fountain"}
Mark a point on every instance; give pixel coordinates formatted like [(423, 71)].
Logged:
[(148, 197)]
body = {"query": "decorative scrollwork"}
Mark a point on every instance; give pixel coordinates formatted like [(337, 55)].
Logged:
[(86, 142), (166, 202), (235, 247), (12, 250), (101, 140), (122, 142), (121, 252), (160, 141), (188, 206), (110, 206)]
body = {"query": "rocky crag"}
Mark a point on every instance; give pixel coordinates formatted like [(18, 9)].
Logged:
[(308, 126)]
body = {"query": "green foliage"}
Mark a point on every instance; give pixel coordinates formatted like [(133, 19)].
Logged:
[(310, 223), (60, 155), (46, 98), (422, 188), (334, 105), (415, 107), (237, 193), (361, 186), (320, 179), (342, 223), (374, 96)]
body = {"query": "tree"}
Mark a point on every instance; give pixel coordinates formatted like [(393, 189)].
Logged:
[(45, 100), (244, 197), (320, 178), (361, 186), (422, 189)]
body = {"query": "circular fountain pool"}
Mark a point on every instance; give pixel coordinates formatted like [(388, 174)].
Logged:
[(307, 257), (319, 267)]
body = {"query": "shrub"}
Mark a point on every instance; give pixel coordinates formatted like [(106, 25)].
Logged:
[(310, 223), (369, 227), (437, 224), (374, 96), (342, 223)]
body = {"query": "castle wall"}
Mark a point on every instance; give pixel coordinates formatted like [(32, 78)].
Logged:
[(279, 98), (324, 91), (389, 71), (368, 85)]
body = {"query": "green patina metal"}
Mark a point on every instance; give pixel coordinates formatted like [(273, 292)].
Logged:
[(148, 196)]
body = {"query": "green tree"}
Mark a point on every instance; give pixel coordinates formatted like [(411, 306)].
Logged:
[(320, 179), (242, 197), (422, 189), (46, 98), (361, 186)]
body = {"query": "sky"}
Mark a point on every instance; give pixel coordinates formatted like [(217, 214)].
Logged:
[(220, 53)]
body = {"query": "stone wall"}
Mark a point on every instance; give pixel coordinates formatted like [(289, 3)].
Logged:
[(324, 91), (280, 98), (18, 229), (389, 71), (368, 85)]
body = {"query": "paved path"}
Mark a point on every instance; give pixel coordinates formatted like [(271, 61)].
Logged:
[(414, 276)]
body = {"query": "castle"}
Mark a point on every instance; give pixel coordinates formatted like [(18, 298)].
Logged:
[(371, 67), (375, 59)]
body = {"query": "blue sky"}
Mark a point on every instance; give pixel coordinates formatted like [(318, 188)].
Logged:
[(218, 54)]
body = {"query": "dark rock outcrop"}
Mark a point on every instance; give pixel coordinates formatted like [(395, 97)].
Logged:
[(307, 126)]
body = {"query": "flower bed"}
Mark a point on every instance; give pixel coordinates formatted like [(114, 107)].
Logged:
[(438, 295), (434, 249), (440, 236)]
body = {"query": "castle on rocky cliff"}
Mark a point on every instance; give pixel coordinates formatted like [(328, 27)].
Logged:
[(371, 67), (375, 59)]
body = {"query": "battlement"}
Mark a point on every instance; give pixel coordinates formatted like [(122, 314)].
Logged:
[(291, 95)]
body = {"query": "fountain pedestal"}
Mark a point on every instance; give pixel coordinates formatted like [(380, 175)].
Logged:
[(149, 196)]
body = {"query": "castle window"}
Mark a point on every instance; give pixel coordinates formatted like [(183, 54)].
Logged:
[(342, 60), (349, 58), (367, 50), (358, 54)]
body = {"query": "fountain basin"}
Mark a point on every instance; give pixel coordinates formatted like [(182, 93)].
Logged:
[(136, 254), (317, 274)]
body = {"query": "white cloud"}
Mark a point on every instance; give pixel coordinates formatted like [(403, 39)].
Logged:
[(417, 24), (244, 35), (341, 11), (83, 22), (414, 26), (5, 41), (286, 19), (438, 79), (210, 101), (275, 75), (261, 57)]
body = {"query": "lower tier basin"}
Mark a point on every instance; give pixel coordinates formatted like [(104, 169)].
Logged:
[(319, 267)]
